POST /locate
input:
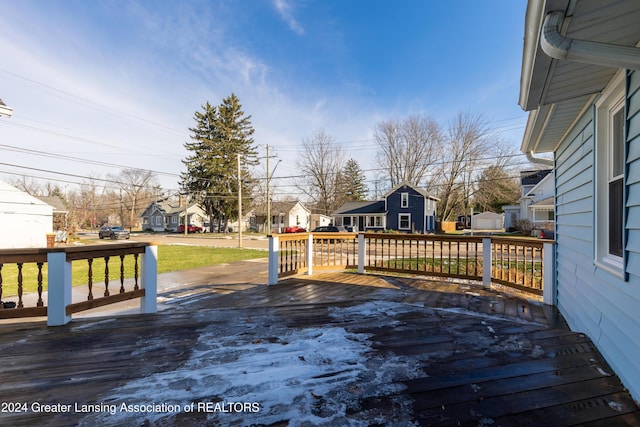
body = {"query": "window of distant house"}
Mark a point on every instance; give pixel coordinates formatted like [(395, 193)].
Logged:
[(378, 221), (404, 200), (610, 167), (346, 221), (404, 221)]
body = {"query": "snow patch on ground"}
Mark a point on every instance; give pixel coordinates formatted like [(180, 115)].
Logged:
[(312, 376)]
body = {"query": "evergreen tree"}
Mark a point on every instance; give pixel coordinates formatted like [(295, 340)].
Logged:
[(353, 184), (220, 134)]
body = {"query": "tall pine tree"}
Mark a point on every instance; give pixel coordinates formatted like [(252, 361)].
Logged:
[(220, 134), (353, 181)]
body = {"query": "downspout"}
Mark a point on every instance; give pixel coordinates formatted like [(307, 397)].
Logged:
[(560, 47)]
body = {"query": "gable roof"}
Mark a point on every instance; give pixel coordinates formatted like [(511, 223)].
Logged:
[(557, 91), (408, 184), (280, 207), (540, 184), (168, 208), (56, 202), (533, 177), (15, 200)]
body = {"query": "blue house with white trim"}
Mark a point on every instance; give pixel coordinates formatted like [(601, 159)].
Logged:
[(404, 208), (580, 83)]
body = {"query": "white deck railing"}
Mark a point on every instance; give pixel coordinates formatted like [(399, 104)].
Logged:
[(20, 269)]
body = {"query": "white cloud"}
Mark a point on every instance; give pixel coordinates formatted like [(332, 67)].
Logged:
[(284, 8)]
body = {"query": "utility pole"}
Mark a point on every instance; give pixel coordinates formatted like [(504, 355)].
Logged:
[(239, 204)]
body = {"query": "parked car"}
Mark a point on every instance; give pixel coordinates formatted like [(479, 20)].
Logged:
[(330, 229), (295, 229), (113, 232), (190, 229), (547, 234)]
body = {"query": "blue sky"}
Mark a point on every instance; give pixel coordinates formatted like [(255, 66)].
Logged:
[(118, 82)]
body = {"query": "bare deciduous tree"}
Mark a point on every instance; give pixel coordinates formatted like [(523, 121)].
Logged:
[(467, 146), (28, 185), (136, 185), (321, 163), (408, 148)]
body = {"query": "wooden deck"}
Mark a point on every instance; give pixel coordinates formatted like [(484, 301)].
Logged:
[(336, 349)]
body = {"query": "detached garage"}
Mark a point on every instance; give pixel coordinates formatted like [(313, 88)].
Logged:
[(487, 221), (24, 219)]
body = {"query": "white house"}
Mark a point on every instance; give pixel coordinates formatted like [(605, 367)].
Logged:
[(536, 203), (289, 214), (24, 220), (164, 215), (581, 86)]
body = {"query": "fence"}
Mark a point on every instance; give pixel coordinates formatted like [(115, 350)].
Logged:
[(23, 277), (522, 263)]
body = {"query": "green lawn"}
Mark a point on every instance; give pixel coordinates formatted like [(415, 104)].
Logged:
[(170, 258)]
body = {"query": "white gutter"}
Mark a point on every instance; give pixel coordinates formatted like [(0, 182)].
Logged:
[(5, 110), (560, 47), (535, 9), (539, 160)]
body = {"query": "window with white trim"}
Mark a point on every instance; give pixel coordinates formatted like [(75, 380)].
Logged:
[(404, 221), (404, 200), (610, 166)]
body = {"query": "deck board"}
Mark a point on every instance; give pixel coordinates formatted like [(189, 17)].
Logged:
[(433, 353)]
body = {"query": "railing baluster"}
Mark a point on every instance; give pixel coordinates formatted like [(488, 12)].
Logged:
[(90, 278), (40, 302), (106, 276), (1, 305), (135, 272), (122, 274), (20, 305)]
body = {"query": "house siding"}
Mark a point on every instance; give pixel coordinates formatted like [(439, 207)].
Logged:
[(591, 299), (416, 209)]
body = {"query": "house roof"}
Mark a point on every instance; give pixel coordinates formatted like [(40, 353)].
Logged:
[(408, 184), (555, 91), (361, 208), (540, 184), (533, 177), (15, 200), (56, 202), (171, 208), (280, 207), (543, 204)]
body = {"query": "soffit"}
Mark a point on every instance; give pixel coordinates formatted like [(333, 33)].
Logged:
[(560, 89)]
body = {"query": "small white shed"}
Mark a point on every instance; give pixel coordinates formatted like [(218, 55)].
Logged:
[(24, 220), (487, 221)]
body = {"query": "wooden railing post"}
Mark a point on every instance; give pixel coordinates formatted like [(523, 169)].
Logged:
[(59, 288), (309, 254), (149, 280), (486, 261), (273, 260), (362, 253), (549, 295)]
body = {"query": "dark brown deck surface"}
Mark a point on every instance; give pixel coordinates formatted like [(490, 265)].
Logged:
[(336, 350)]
